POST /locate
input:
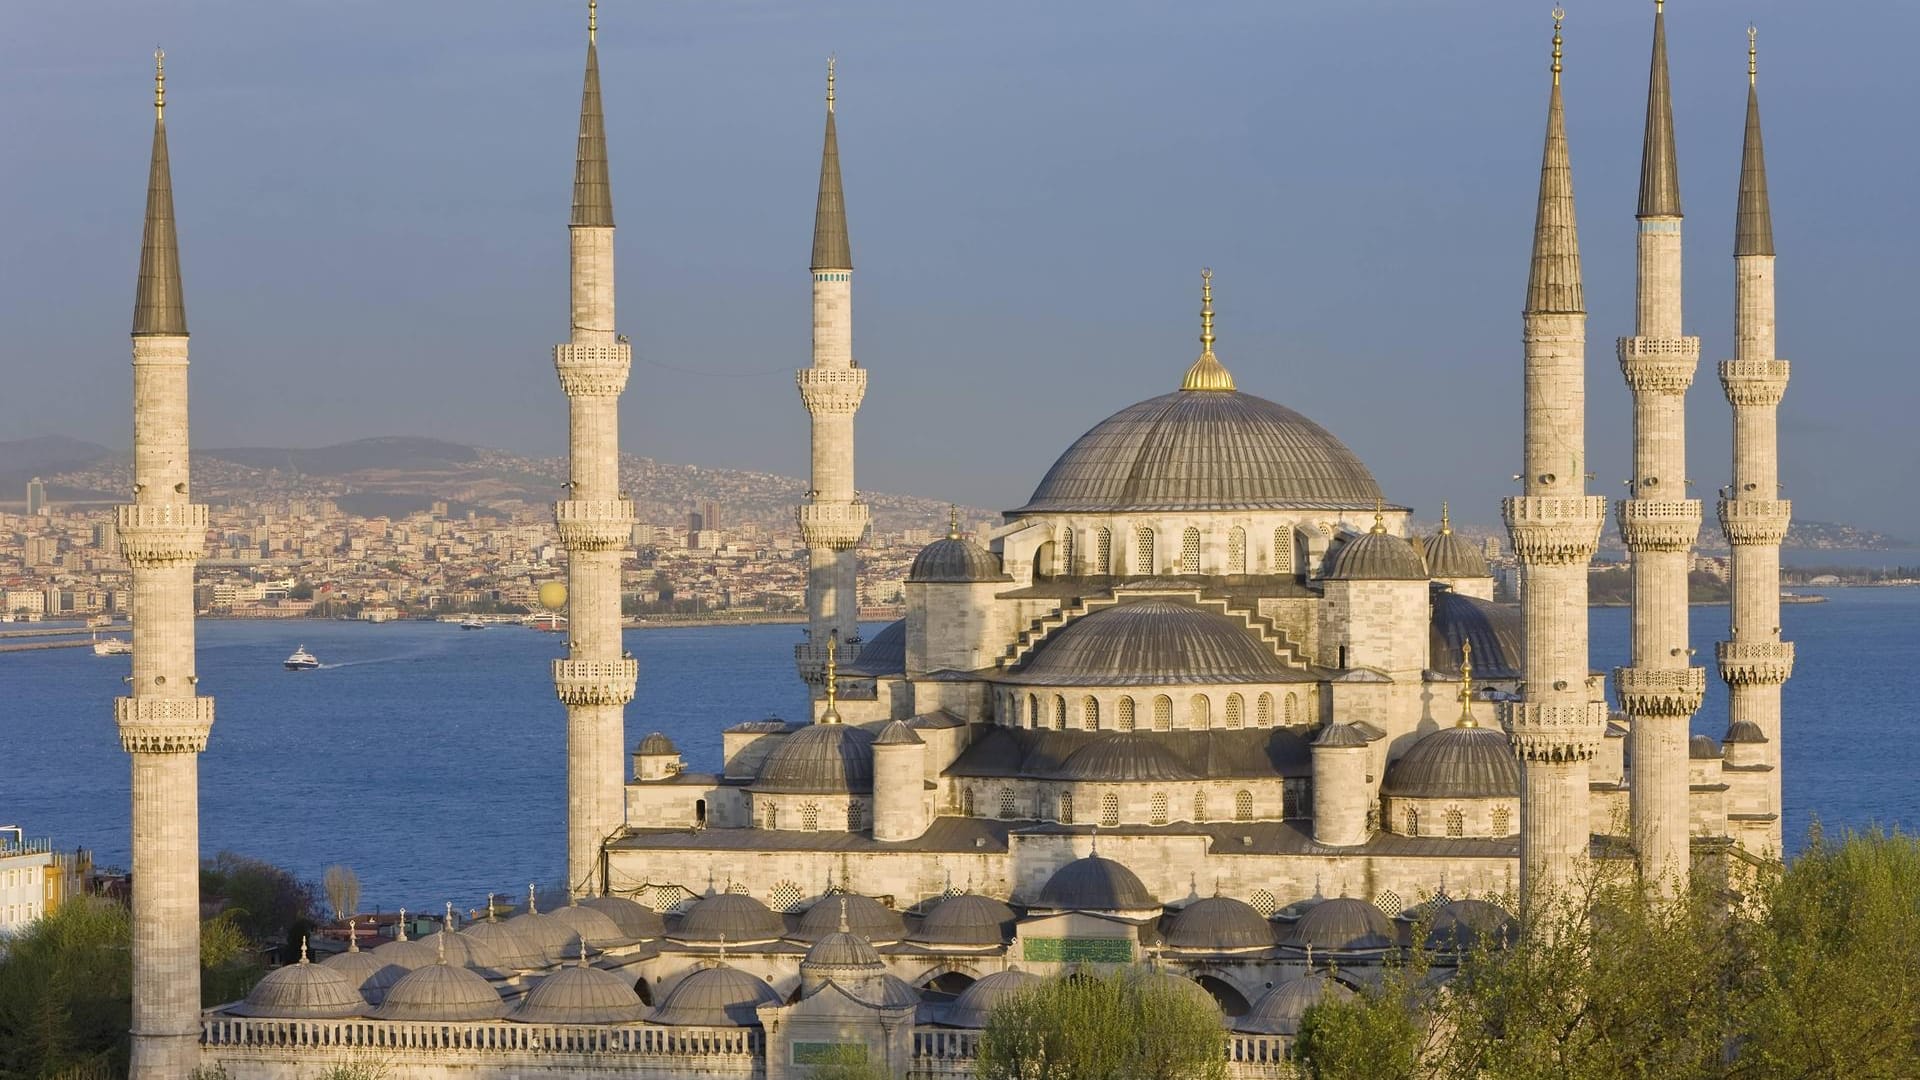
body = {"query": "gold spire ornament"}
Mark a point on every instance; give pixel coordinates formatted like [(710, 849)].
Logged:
[(593, 20), (1466, 685), (1559, 16), (1379, 514), (831, 715), (830, 63), (1207, 373), (953, 522), (1753, 55), (159, 83), (1446, 520)]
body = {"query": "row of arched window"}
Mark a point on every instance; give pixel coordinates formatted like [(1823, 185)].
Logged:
[(1057, 714), (810, 816), (1455, 821), (1104, 558), (1295, 805)]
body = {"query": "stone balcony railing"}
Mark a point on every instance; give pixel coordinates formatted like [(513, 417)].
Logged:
[(1755, 522), (1659, 524), (832, 391), (1659, 365), (1554, 529), (483, 1039), (1754, 382), (1663, 692), (158, 534), (837, 526), (1553, 732), (1755, 663), (155, 725), (593, 370), (594, 524), (939, 1053), (595, 682)]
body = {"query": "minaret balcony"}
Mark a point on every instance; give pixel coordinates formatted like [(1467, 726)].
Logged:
[(595, 682), (832, 391), (1755, 663), (1659, 365), (1755, 522), (1548, 732), (1754, 383), (151, 725), (1662, 692), (161, 534), (594, 524), (1554, 529), (1659, 524), (835, 526), (593, 370)]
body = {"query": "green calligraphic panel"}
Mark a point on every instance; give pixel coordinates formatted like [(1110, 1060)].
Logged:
[(1075, 950), (827, 1053)]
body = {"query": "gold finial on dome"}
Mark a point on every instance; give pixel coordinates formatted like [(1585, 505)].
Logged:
[(1379, 514), (593, 20), (831, 715), (953, 522), (1466, 685), (1753, 55), (1207, 373), (1446, 521), (159, 83), (1559, 16)]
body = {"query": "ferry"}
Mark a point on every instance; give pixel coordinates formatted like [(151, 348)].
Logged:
[(547, 621), (112, 646), (472, 624), (302, 660)]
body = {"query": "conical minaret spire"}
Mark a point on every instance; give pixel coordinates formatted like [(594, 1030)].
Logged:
[(163, 722), (1554, 527), (1661, 689), (596, 678), (833, 521), (1754, 661)]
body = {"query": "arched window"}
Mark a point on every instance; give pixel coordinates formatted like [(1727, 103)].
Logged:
[(1199, 713), (810, 817), (1190, 551), (1162, 713), (773, 816), (1502, 821), (1456, 822), (1033, 711), (1066, 552), (1263, 711), (1006, 802), (1413, 822), (1237, 550), (1236, 712), (966, 803), (1124, 718), (1143, 554), (1296, 798), (1059, 712), (856, 817), (1243, 805), (1066, 808), (1200, 807), (1103, 550), (1293, 709), (1159, 808), (1109, 809), (1090, 713), (1283, 550)]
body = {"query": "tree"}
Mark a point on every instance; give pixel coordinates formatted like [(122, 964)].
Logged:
[(343, 891), (270, 901), (847, 1061), (1127, 1025)]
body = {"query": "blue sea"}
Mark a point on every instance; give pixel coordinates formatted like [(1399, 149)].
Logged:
[(431, 759)]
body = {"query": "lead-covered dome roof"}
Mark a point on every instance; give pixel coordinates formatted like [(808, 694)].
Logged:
[(734, 918), (718, 996), (1342, 924), (441, 992), (954, 559), (1280, 1010), (1378, 556), (1219, 922), (1494, 631), (967, 919), (1125, 755), (819, 759), (1095, 884), (1456, 763), (1152, 642), (368, 974), (976, 1002), (635, 919), (1449, 556), (1205, 449), (302, 991), (861, 914), (577, 994)]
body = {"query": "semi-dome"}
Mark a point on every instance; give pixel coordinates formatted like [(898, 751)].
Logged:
[(577, 994), (1494, 630), (1095, 884), (819, 759), (367, 973), (441, 993), (1342, 924), (1378, 555), (591, 924), (1279, 1010), (966, 920), (1456, 763), (1204, 449), (954, 559), (883, 654), (976, 1002), (509, 948), (1152, 642), (734, 918), (1219, 923), (1462, 925), (1125, 755), (302, 991), (718, 996), (861, 914), (636, 920)]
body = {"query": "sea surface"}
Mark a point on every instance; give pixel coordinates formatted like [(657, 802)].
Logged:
[(431, 759)]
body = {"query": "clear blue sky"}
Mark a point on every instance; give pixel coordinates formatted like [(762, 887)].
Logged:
[(373, 199)]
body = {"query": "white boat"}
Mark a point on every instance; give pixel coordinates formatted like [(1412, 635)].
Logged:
[(472, 624), (302, 660), (112, 646)]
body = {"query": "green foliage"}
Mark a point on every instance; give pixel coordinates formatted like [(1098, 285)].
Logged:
[(846, 1062), (1127, 1025), (269, 901), (66, 990)]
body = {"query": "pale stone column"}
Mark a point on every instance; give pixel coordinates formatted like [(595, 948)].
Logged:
[(899, 784)]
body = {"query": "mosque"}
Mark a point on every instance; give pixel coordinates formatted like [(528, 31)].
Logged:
[(1202, 705)]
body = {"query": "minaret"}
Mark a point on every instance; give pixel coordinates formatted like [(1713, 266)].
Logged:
[(1554, 527), (1662, 689), (596, 680), (163, 723), (1755, 662), (833, 521)]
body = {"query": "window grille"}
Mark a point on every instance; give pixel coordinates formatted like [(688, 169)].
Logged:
[(1502, 821), (1103, 551), (1200, 712), (1059, 712), (1243, 805), (1283, 550), (1413, 822), (1159, 808), (1237, 551), (1066, 808), (1200, 807), (1066, 552), (1263, 711), (966, 803), (1124, 719), (1390, 903), (1144, 554), (1456, 823), (773, 817), (1236, 710), (1033, 711), (810, 817), (1264, 903), (1090, 713), (856, 817), (1293, 709), (1163, 713), (1006, 803), (1109, 809), (786, 896), (1190, 551), (1296, 798)]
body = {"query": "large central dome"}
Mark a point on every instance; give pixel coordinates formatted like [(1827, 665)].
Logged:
[(1205, 450)]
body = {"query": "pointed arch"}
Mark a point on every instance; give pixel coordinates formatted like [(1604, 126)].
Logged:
[(1123, 718), (1200, 712), (1263, 711), (1236, 712), (1090, 713), (1162, 713)]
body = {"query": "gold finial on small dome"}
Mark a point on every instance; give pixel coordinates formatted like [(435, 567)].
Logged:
[(1379, 514), (1466, 685), (1207, 373), (1446, 520), (159, 83), (953, 522), (400, 928), (830, 63), (831, 715), (303, 948), (1559, 16), (1753, 55), (353, 934)]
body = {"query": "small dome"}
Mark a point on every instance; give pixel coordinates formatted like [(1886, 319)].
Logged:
[(1095, 884), (657, 744), (954, 559), (1461, 925), (1342, 736), (841, 950), (554, 939), (734, 918), (636, 920), (1378, 556), (897, 733), (1125, 755), (1448, 556), (967, 919), (1745, 731), (863, 915), (717, 996), (1179, 986), (1219, 923), (410, 954), (1456, 763), (600, 931), (580, 995), (1342, 924), (367, 973), (1152, 642), (823, 759), (1279, 1010), (891, 992), (1702, 748), (509, 948), (473, 952), (441, 993), (302, 991), (971, 1008)]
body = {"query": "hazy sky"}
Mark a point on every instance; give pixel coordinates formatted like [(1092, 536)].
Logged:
[(373, 200)]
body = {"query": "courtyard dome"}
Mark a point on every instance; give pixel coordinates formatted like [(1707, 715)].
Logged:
[(1219, 923), (1342, 924), (842, 950), (473, 952), (968, 920), (509, 948), (302, 991), (1152, 642), (1279, 1010), (717, 996), (1178, 986), (408, 953), (1461, 925), (954, 559), (594, 925), (441, 993), (1125, 755), (367, 973), (1095, 884), (820, 759), (971, 1008), (1456, 763), (580, 995), (553, 938), (1378, 556), (636, 920), (734, 918), (861, 914)]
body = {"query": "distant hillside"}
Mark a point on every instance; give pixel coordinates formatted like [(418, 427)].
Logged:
[(390, 453), (45, 456)]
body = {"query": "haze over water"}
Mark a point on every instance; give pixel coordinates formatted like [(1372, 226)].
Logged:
[(432, 760)]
